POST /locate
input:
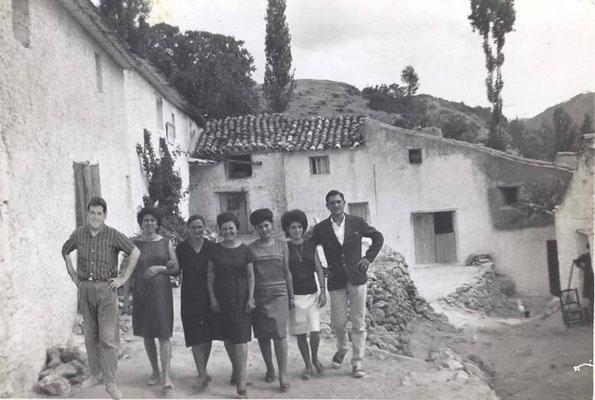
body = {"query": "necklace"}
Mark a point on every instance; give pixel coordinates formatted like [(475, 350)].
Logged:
[(300, 253)]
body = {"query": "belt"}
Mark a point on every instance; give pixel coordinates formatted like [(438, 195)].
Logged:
[(91, 279)]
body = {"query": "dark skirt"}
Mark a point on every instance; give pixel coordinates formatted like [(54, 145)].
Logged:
[(197, 329), (231, 326), (269, 318)]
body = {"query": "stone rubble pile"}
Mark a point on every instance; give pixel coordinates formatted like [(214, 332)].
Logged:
[(393, 301), (487, 292), (64, 367), (479, 260)]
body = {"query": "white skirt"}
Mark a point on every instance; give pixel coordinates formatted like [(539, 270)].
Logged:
[(304, 317)]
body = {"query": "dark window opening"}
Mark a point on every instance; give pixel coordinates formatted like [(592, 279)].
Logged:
[(443, 222), (359, 209), (98, 73), (241, 168), (319, 165), (415, 156), (510, 194)]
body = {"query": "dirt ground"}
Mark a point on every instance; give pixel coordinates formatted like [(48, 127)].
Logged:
[(522, 358)]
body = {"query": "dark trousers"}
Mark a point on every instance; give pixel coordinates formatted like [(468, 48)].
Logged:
[(101, 319)]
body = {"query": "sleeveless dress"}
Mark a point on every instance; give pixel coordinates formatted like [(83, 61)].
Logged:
[(231, 290), (194, 296), (305, 316), (152, 302), (269, 318)]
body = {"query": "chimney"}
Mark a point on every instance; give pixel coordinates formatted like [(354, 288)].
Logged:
[(566, 159)]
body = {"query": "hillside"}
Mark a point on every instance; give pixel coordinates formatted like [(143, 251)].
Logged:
[(576, 107), (314, 97)]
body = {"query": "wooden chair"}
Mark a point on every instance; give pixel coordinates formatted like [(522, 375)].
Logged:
[(572, 311)]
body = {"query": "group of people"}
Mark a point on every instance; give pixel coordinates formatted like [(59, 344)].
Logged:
[(229, 290)]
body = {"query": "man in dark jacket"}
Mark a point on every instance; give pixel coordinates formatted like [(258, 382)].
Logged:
[(341, 238)]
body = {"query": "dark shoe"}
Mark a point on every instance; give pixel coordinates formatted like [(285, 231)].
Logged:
[(284, 387), (270, 376), (319, 367), (338, 360), (242, 394), (113, 391), (358, 372), (306, 374)]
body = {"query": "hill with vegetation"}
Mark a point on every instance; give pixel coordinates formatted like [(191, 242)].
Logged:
[(576, 108), (314, 97)]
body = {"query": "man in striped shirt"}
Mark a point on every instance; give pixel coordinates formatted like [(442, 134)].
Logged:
[(96, 276)]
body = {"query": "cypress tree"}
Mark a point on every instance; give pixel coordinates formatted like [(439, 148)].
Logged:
[(278, 80)]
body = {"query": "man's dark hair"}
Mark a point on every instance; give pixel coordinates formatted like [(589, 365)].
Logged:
[(148, 211), (95, 202), (334, 193), (226, 217)]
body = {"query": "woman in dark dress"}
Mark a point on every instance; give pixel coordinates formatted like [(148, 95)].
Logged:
[(193, 255), (153, 314), (273, 295), (231, 293)]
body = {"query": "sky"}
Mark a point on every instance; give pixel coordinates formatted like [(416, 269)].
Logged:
[(550, 55)]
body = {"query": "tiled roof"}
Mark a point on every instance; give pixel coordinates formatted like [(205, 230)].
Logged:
[(279, 132)]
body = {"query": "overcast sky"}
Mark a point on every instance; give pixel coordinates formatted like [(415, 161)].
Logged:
[(550, 56)]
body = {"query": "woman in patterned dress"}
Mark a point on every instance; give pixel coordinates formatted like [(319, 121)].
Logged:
[(273, 295)]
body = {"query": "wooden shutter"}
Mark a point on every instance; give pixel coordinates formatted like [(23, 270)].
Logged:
[(87, 185)]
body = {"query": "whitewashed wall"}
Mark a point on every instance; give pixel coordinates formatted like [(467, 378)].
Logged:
[(574, 222)]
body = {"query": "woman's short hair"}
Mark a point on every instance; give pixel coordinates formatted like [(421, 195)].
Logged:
[(261, 215), (148, 211), (226, 217), (194, 217), (294, 216)]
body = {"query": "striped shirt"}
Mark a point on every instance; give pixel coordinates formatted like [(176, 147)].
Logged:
[(97, 256)]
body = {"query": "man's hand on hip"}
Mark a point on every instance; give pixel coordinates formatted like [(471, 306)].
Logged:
[(115, 283), (363, 264)]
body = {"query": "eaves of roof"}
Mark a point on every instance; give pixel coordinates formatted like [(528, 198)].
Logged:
[(86, 14)]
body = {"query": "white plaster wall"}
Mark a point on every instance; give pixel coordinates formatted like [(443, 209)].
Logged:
[(380, 174), (52, 116), (575, 215), (522, 254), (265, 189), (141, 114)]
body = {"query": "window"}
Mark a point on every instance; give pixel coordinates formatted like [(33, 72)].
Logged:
[(359, 209), (443, 222), (319, 165), (415, 156), (98, 73), (159, 110), (510, 194), (170, 133), (21, 22), (239, 166)]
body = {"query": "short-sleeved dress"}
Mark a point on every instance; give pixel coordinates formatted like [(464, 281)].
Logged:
[(269, 318), (231, 290), (152, 302), (195, 304), (305, 316)]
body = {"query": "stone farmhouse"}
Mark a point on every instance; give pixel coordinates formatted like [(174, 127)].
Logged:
[(436, 200), (74, 102)]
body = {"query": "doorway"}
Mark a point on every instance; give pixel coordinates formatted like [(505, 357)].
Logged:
[(237, 204), (434, 237), (553, 267)]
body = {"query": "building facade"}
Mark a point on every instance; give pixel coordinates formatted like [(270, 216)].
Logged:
[(73, 105), (436, 200)]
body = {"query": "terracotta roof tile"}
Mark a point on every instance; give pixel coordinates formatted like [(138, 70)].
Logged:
[(279, 132)]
